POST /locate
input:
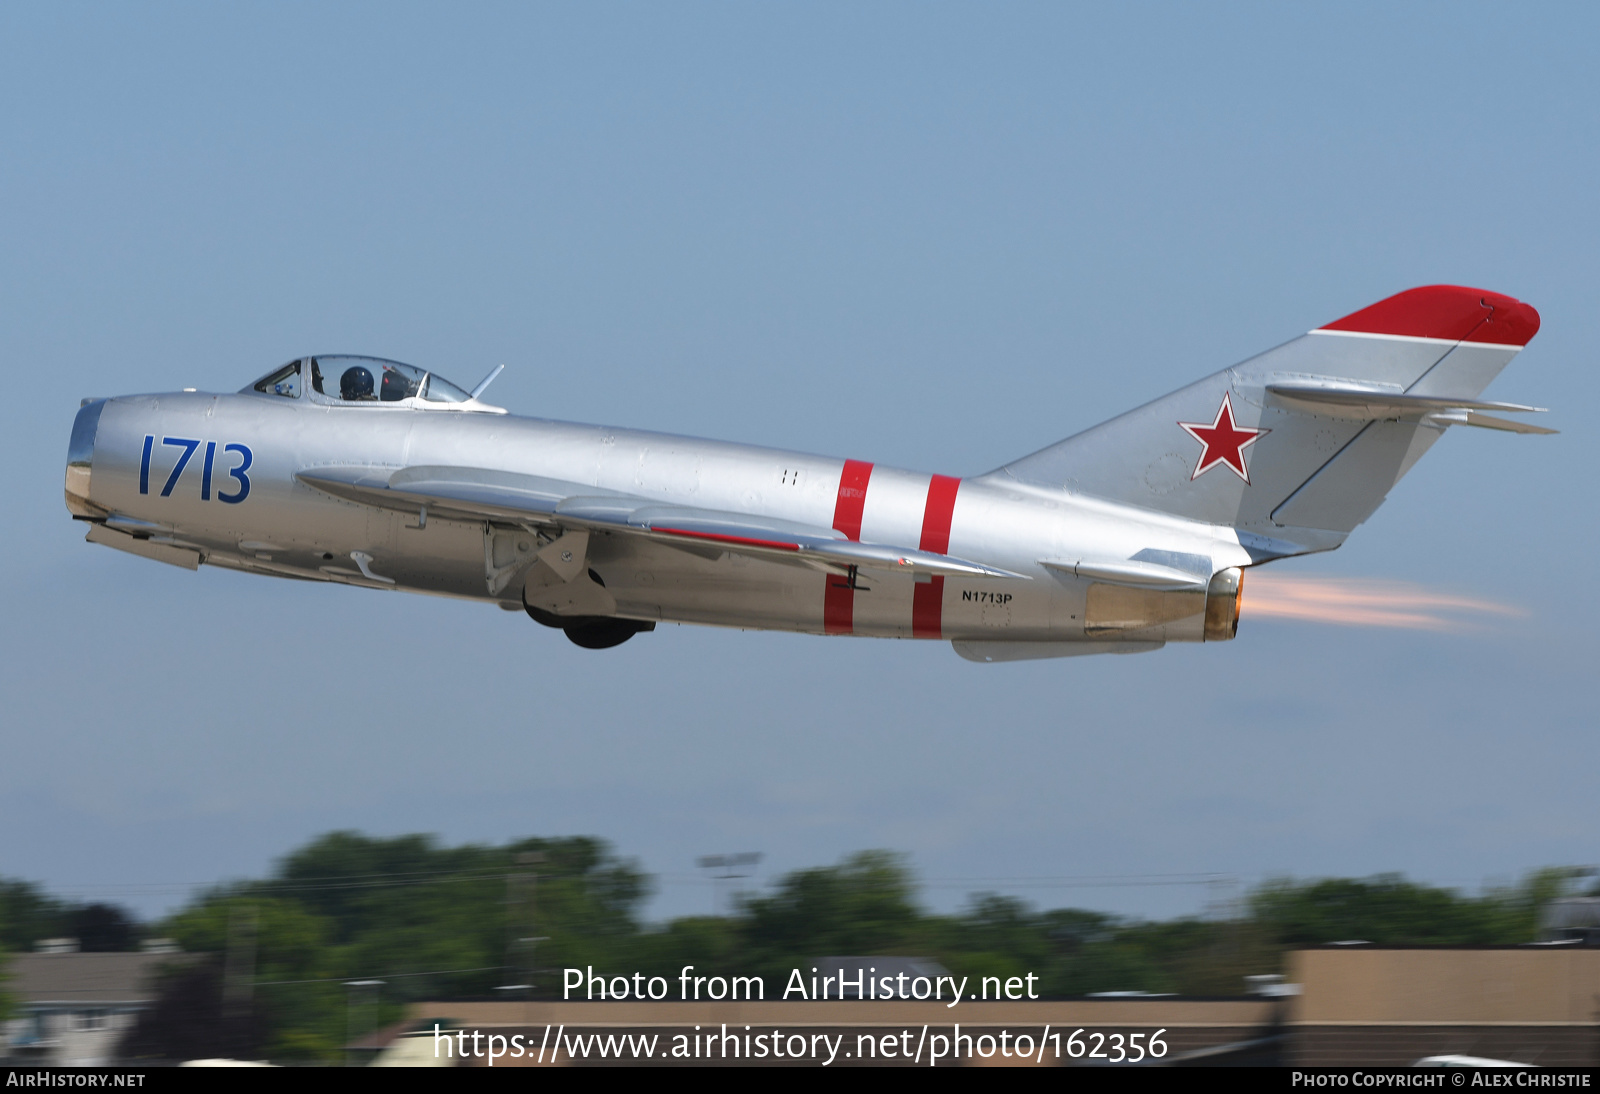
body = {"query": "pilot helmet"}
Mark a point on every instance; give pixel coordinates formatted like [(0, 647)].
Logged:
[(356, 383)]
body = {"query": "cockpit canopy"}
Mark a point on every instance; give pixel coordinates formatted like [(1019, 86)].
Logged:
[(347, 381)]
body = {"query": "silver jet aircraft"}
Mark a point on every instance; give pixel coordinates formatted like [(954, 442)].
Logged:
[(1117, 540)]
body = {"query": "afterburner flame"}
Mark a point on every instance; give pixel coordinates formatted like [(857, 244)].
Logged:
[(1362, 602)]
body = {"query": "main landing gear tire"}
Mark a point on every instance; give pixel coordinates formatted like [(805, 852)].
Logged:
[(602, 634), (592, 632)]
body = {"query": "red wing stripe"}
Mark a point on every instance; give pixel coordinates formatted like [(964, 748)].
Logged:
[(838, 606), (927, 598), (838, 598), (776, 544), (852, 500), (927, 608)]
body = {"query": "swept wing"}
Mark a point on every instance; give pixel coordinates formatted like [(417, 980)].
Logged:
[(482, 493)]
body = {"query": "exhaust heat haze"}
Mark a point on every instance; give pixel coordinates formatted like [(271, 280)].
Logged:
[(1362, 602)]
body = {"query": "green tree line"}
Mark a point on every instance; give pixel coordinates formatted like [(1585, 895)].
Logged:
[(266, 961)]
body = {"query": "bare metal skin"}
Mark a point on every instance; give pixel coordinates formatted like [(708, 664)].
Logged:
[(1127, 536)]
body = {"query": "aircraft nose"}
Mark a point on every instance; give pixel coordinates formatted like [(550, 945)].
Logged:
[(80, 458)]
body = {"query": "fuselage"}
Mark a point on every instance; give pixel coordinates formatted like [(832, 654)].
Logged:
[(236, 502)]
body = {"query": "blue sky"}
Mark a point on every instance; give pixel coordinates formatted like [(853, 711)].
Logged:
[(935, 236)]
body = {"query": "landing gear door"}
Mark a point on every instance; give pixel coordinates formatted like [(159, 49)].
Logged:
[(567, 556), (507, 552)]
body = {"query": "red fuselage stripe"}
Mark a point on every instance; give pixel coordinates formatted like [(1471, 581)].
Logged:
[(937, 513), (927, 598), (852, 500), (838, 598)]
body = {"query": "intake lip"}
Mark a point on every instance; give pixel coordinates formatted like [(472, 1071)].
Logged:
[(80, 461)]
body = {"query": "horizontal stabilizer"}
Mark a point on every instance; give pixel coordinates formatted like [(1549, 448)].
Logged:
[(1366, 404), (1485, 421)]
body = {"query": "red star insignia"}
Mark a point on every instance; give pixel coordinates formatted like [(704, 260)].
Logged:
[(1224, 442)]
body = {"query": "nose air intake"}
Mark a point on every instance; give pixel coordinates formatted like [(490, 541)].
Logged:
[(80, 458)]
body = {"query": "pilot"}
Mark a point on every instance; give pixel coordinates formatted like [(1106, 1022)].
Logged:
[(356, 385)]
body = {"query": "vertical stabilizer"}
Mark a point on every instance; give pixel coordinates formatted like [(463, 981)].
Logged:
[(1238, 448)]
